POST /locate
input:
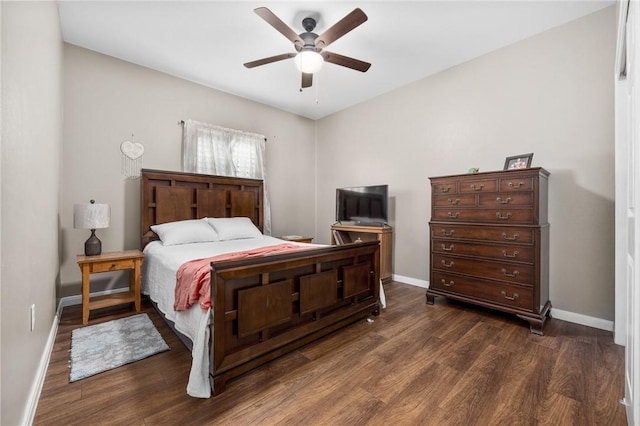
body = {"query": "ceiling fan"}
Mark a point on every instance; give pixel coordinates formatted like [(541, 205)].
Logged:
[(310, 46)]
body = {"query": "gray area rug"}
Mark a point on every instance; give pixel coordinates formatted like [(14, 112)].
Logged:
[(101, 347)]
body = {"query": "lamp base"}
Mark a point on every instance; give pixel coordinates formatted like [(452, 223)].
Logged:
[(93, 246)]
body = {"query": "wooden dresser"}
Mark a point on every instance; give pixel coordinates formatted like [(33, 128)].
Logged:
[(490, 242)]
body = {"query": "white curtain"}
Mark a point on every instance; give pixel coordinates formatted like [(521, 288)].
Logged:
[(215, 150)]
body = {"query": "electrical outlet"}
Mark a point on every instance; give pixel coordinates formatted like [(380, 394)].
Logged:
[(33, 317)]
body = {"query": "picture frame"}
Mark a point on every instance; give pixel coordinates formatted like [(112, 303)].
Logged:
[(522, 161)]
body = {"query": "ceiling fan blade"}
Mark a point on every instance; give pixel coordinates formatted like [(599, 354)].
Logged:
[(307, 80), (345, 61), (277, 23), (346, 24), (269, 60)]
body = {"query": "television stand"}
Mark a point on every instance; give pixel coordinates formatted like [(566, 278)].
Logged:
[(344, 234)]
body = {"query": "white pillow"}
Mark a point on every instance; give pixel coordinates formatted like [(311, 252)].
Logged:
[(234, 228), (185, 231)]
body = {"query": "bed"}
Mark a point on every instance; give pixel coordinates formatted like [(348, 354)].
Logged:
[(261, 306)]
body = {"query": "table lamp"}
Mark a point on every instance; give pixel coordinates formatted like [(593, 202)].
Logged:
[(91, 216)]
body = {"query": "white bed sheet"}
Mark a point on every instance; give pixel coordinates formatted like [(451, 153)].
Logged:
[(159, 280)]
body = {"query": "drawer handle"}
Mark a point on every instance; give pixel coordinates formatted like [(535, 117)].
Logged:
[(501, 201), (447, 234), (454, 202), (504, 272), (443, 189), (477, 188), (499, 216), (447, 249), (453, 216), (504, 253), (447, 284), (519, 184), (447, 265), (505, 237), (113, 265), (514, 297)]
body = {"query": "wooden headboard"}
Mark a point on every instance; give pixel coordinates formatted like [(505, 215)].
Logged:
[(169, 196)]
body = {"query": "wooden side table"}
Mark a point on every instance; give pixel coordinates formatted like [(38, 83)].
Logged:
[(297, 238), (108, 262)]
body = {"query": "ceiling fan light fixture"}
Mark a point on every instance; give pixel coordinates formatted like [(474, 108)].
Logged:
[(309, 61)]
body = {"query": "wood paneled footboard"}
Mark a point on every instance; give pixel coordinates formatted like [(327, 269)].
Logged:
[(266, 307)]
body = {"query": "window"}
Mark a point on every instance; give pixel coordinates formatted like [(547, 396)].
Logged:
[(215, 150)]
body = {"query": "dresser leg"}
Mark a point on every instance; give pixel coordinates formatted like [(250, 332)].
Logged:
[(535, 325), (536, 329), (430, 299)]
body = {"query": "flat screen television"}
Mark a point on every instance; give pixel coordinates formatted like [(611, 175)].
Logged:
[(366, 205)]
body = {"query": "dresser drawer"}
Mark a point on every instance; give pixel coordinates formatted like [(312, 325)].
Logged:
[(484, 233), (513, 272), (446, 187), (112, 265), (516, 184), (462, 200), (478, 185), (503, 200), (517, 253), (505, 215), (490, 291)]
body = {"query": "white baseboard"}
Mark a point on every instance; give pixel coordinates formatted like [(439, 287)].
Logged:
[(77, 299), (38, 381), (573, 317), (412, 281), (598, 323)]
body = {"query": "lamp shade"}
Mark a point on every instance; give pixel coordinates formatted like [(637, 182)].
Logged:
[(91, 216), (309, 61)]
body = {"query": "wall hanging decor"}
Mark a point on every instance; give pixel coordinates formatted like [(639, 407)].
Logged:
[(131, 158)]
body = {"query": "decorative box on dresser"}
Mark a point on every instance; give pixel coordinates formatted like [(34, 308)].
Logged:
[(490, 242)]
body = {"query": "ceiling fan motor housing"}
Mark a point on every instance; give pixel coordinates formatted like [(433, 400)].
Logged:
[(308, 24), (308, 37)]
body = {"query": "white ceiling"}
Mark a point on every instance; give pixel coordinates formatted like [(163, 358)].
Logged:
[(207, 42)]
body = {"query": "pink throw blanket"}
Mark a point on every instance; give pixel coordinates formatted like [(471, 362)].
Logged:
[(193, 279)]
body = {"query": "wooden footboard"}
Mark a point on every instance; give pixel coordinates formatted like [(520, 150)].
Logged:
[(263, 308)]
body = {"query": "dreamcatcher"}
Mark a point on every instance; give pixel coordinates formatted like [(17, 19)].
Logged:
[(131, 158)]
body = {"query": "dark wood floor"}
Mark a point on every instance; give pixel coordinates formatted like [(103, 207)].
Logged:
[(447, 364)]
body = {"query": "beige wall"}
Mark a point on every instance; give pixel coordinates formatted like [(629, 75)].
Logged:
[(30, 190), (106, 100), (551, 94)]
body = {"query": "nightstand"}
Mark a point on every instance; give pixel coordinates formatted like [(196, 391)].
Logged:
[(297, 238), (108, 262)]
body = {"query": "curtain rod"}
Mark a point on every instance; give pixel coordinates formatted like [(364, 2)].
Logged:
[(181, 123)]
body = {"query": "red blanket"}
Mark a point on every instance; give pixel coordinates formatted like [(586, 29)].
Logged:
[(193, 279)]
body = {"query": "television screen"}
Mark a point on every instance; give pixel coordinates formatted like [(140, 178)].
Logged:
[(362, 204)]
